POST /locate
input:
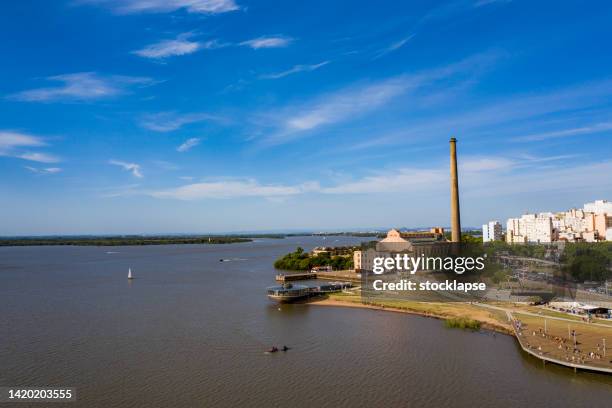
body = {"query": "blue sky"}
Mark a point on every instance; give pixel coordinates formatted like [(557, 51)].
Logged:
[(151, 116)]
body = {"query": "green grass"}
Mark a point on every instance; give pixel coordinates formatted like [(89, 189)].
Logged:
[(462, 323)]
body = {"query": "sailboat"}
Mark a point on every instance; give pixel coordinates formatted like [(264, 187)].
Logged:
[(130, 273)]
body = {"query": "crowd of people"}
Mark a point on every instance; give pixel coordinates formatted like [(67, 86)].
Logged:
[(569, 346)]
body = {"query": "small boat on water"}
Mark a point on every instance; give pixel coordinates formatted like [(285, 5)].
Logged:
[(130, 276)]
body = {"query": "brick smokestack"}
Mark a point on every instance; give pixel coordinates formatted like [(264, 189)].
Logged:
[(454, 181)]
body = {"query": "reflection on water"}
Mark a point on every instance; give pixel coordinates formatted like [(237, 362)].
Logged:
[(192, 331)]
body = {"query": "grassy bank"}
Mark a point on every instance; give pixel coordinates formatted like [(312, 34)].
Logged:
[(462, 323), (455, 311)]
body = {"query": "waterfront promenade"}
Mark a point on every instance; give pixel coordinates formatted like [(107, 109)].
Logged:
[(548, 338), (569, 343)]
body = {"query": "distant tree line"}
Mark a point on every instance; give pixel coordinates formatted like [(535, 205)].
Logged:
[(303, 261), (122, 240), (588, 261), (584, 261)]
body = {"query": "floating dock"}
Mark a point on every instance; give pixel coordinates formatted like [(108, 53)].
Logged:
[(289, 292)]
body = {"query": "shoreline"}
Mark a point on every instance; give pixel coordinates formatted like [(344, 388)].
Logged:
[(485, 323)]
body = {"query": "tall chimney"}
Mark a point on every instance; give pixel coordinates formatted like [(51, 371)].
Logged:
[(454, 180)]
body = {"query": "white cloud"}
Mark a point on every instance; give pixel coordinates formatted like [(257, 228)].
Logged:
[(478, 178), (392, 181), (169, 121), (47, 170), (476, 165), (131, 167), (166, 6), (12, 144), (480, 3), (38, 157), (295, 69), (595, 128), (232, 189), (345, 104), (355, 101), (267, 42), (10, 140), (293, 121), (393, 47), (495, 118), (169, 48), (188, 144), (81, 86)]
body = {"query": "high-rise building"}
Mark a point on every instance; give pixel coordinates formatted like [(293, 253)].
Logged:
[(590, 224), (599, 207), (536, 228), (491, 231)]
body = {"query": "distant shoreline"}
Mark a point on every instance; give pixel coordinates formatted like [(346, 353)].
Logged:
[(123, 241), (141, 240)]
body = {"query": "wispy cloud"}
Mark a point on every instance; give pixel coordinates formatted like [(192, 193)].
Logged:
[(81, 87), (13, 143), (393, 47), (166, 6), (232, 189), (502, 176), (267, 42), (39, 157), (46, 170), (170, 48), (497, 116), (584, 130), (480, 3), (355, 101), (10, 140), (295, 69), (169, 121), (486, 164), (188, 144), (131, 167)]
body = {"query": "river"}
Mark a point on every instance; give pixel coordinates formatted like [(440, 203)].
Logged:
[(191, 331)]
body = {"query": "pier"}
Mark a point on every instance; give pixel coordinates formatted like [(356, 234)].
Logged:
[(345, 275), (580, 346), (281, 277), (288, 292)]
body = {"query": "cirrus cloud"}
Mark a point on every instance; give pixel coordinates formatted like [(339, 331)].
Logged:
[(267, 42), (167, 6), (81, 87), (188, 144), (169, 48), (131, 167), (169, 121), (12, 144)]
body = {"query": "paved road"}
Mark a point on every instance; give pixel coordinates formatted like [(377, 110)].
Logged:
[(509, 314)]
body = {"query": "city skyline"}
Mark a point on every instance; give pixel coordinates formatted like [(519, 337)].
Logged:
[(218, 116)]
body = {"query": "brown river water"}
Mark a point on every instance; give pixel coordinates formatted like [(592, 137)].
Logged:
[(191, 331)]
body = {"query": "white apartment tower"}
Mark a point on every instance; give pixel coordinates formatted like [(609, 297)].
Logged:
[(599, 207), (491, 231), (530, 228)]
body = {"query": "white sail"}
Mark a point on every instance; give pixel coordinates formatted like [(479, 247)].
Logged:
[(130, 273)]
